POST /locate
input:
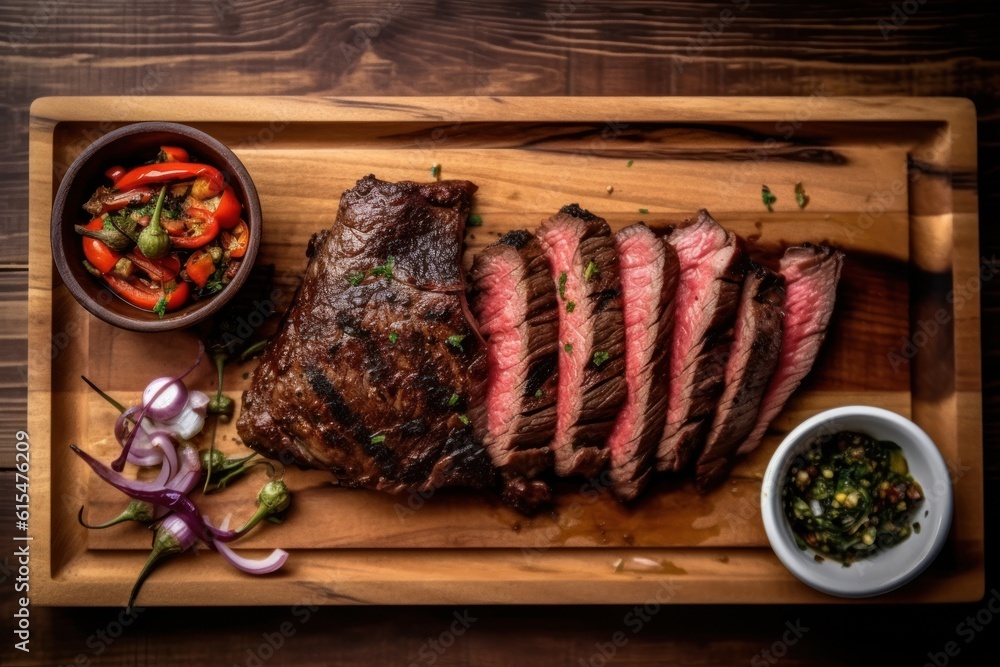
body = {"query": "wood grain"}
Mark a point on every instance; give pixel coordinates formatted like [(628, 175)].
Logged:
[(600, 48), (425, 541)]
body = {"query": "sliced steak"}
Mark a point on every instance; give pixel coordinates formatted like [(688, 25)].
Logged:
[(753, 357), (649, 270), (811, 273), (377, 364), (712, 269), (584, 268), (514, 300)]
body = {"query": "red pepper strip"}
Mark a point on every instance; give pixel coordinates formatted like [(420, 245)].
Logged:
[(114, 173), (200, 234), (167, 172), (237, 240), (139, 295), (97, 253), (174, 154), (121, 199), (162, 270), (228, 211)]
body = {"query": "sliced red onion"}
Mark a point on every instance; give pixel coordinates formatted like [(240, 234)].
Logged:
[(119, 463), (143, 453), (189, 472), (164, 398), (189, 422), (266, 565), (160, 496), (165, 444)]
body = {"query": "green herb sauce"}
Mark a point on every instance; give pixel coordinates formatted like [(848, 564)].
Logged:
[(850, 496)]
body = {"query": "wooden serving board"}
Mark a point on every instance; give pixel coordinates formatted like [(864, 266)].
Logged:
[(891, 181)]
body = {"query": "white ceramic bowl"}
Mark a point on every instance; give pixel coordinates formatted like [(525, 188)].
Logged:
[(888, 569)]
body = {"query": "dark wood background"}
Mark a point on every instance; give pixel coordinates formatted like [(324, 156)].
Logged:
[(427, 47)]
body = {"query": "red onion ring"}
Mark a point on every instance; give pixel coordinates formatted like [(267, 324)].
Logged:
[(119, 463), (164, 398), (144, 452), (265, 565)]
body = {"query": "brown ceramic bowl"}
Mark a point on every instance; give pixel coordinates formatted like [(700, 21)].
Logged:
[(129, 146)]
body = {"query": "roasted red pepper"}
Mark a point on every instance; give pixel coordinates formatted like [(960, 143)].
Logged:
[(108, 199), (236, 240), (116, 172), (168, 172), (201, 228), (200, 267), (229, 209), (162, 270), (173, 154), (97, 253), (143, 296)]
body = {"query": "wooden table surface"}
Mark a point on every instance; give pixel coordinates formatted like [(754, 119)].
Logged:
[(408, 47)]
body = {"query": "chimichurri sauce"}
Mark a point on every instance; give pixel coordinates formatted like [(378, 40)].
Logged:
[(850, 496)]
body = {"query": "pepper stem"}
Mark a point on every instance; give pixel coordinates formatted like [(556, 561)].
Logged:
[(119, 406), (137, 510), (164, 546), (258, 516), (121, 518), (221, 484), (253, 349), (220, 367), (211, 449)]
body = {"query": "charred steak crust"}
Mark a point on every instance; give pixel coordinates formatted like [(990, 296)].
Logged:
[(752, 361), (713, 267), (649, 272), (514, 300), (376, 363), (584, 268)]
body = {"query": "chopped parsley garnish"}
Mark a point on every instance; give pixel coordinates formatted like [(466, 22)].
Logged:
[(355, 278), (161, 306), (455, 341), (453, 400), (435, 171), (629, 163), (568, 347), (378, 439), (393, 337), (539, 394), (644, 211), (386, 269), (475, 220), (562, 285), (801, 198), (571, 306), (591, 271), (768, 198), (463, 419), (600, 358)]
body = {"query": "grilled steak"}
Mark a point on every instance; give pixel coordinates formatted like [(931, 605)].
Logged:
[(711, 278), (584, 267), (514, 300), (752, 360), (649, 270), (377, 363), (811, 274)]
